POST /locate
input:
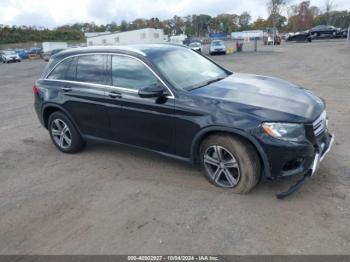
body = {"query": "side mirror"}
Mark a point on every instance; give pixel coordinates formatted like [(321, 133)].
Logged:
[(151, 91)]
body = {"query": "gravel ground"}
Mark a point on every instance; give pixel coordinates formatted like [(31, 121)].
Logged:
[(116, 200)]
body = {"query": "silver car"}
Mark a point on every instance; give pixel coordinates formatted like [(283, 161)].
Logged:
[(196, 46), (217, 47), (8, 56)]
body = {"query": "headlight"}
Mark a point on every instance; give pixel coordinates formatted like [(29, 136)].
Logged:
[(285, 131)]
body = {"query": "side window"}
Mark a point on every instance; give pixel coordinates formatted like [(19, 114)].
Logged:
[(61, 70), (72, 70), (130, 73), (91, 69)]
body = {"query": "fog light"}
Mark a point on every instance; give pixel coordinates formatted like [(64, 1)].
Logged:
[(293, 164)]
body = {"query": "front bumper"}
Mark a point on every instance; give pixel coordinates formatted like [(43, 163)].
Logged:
[(285, 159), (12, 59), (320, 155), (218, 51)]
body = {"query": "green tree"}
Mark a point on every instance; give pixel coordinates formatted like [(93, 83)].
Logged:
[(244, 20), (260, 24), (228, 22), (214, 25)]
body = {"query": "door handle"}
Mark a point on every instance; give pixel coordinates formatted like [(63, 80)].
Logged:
[(66, 89), (114, 94)]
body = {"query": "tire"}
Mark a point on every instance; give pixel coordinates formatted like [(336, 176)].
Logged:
[(247, 172), (62, 130)]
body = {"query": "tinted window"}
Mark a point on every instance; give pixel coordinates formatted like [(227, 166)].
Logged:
[(130, 73), (72, 70), (91, 69), (61, 70)]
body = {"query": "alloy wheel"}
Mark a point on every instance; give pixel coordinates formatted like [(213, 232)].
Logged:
[(61, 133), (222, 166)]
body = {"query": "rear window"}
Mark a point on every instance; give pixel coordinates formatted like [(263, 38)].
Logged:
[(91, 69)]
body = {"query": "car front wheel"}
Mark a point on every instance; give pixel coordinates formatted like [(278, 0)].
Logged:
[(63, 133), (230, 162)]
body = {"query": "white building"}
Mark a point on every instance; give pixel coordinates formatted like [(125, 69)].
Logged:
[(49, 46), (141, 36), (247, 34)]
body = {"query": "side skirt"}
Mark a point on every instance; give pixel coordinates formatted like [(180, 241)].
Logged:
[(108, 141)]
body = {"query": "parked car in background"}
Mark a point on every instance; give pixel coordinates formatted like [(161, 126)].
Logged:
[(196, 46), (217, 47), (344, 33), (324, 31), (174, 101), (23, 54), (47, 56), (35, 51), (8, 56), (300, 37), (268, 40)]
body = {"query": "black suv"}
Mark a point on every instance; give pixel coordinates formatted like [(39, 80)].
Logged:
[(172, 100)]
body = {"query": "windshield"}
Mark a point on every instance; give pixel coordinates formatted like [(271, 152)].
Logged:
[(217, 43), (186, 69), (195, 45), (9, 52)]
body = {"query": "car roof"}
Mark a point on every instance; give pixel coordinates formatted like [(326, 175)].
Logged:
[(139, 49)]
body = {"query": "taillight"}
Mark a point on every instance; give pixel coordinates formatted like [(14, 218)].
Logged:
[(35, 89)]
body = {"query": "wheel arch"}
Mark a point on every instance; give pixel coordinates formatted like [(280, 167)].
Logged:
[(204, 133), (50, 108)]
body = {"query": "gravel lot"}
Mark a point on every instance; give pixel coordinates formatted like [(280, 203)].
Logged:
[(116, 200)]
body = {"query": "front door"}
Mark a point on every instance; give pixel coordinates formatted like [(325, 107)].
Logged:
[(144, 122)]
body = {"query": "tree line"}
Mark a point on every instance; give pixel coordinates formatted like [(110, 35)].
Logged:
[(299, 17)]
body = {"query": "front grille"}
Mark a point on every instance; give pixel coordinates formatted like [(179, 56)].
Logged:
[(319, 124)]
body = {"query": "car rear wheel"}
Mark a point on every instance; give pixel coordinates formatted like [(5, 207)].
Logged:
[(230, 162), (63, 133)]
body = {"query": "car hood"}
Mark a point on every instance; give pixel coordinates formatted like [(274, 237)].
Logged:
[(265, 93)]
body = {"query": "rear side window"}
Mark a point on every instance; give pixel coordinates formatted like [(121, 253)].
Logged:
[(63, 70), (92, 69), (130, 73)]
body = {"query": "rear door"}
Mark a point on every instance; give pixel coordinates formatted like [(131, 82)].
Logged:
[(82, 80), (145, 122)]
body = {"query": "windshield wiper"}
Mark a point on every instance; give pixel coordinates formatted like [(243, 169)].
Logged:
[(206, 83), (216, 80)]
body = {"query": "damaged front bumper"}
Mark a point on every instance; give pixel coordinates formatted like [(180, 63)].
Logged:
[(319, 156)]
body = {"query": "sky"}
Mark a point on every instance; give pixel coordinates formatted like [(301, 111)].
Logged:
[(52, 13)]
